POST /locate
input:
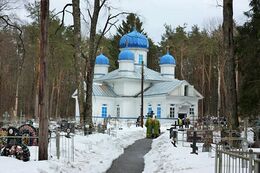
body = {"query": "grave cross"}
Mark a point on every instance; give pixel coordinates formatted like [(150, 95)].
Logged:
[(194, 141)]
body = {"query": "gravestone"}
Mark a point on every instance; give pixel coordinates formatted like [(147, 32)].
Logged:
[(194, 141)]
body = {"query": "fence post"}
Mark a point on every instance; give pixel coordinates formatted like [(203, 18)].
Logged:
[(216, 159), (220, 163), (72, 147), (58, 144), (257, 164), (250, 161)]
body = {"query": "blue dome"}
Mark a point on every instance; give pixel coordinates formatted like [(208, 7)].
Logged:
[(126, 55), (102, 59), (167, 59), (134, 39)]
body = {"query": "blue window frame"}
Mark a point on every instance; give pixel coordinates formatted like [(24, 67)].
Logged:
[(140, 59), (159, 111), (104, 110)]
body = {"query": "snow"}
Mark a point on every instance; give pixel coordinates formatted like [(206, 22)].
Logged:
[(95, 154), (165, 158)]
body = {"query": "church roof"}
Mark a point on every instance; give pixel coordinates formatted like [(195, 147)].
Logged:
[(162, 88), (103, 90), (100, 90), (102, 59), (134, 39), (149, 75), (167, 59), (126, 54)]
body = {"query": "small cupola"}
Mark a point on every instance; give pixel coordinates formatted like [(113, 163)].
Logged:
[(126, 60), (167, 65), (101, 66)]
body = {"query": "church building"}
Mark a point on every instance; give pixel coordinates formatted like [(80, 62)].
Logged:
[(118, 93)]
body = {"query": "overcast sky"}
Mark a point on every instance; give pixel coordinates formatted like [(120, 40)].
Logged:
[(156, 13)]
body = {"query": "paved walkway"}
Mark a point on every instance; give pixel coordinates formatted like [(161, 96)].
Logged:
[(132, 161)]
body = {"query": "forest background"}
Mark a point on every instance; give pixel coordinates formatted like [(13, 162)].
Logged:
[(198, 53)]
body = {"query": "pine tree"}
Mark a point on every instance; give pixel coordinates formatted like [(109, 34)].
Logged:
[(248, 50)]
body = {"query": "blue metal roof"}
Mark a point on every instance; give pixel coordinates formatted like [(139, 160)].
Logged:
[(126, 54), (134, 39), (102, 59), (167, 59)]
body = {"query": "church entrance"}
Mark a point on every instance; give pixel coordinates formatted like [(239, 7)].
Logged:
[(181, 116)]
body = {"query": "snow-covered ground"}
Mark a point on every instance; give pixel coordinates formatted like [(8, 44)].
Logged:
[(95, 154), (165, 158)]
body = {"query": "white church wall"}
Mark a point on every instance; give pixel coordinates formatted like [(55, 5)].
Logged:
[(167, 69), (154, 101), (139, 51), (101, 69), (99, 101), (128, 87), (128, 107), (126, 66)]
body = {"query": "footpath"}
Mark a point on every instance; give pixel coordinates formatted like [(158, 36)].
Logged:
[(132, 160)]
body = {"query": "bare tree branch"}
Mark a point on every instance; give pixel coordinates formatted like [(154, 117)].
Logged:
[(8, 22), (107, 28), (84, 19), (89, 14), (218, 4), (63, 15)]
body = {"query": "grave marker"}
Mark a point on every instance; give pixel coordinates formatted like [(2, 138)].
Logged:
[(194, 141)]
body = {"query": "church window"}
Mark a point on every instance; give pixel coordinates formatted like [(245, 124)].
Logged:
[(172, 110), (104, 110), (118, 111), (159, 110), (186, 90), (140, 59), (192, 110)]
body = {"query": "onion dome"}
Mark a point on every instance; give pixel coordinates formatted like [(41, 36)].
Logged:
[(126, 55), (102, 59), (134, 39), (167, 59)]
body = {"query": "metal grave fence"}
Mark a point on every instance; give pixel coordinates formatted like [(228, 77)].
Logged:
[(236, 160)]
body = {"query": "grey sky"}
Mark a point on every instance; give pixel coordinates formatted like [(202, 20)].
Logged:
[(155, 13)]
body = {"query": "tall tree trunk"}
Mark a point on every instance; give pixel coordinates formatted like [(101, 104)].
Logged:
[(77, 56), (229, 75), (90, 63), (37, 72), (51, 99), (219, 86), (43, 124), (57, 108)]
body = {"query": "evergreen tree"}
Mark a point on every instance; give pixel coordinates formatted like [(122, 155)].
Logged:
[(248, 49)]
